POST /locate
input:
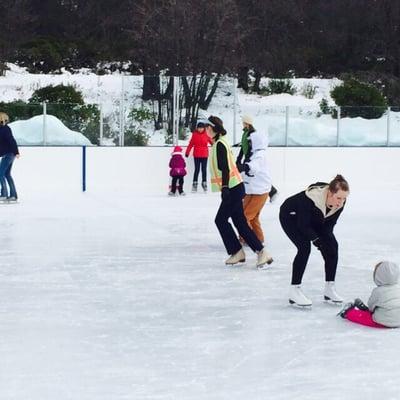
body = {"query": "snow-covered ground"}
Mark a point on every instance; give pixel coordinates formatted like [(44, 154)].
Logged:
[(304, 124), (122, 292)]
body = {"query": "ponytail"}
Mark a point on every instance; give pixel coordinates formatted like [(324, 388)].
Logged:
[(338, 183)]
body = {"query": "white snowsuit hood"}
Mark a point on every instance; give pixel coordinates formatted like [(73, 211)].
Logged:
[(384, 302), (258, 179), (386, 273)]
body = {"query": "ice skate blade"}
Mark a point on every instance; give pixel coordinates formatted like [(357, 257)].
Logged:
[(333, 302), (239, 262), (269, 262), (301, 306)]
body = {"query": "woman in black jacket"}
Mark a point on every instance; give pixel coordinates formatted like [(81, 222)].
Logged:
[(309, 217), (8, 152)]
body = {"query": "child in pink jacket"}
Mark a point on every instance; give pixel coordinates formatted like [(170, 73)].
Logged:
[(177, 171)]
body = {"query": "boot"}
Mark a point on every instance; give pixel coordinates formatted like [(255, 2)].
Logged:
[(171, 193), (296, 296), (330, 293), (238, 257), (360, 305), (263, 257), (343, 312), (204, 186), (194, 187)]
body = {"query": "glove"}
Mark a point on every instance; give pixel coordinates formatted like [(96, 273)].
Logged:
[(240, 167), (225, 194), (360, 305), (186, 155), (246, 169)]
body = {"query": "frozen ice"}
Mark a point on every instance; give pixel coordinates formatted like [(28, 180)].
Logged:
[(127, 297)]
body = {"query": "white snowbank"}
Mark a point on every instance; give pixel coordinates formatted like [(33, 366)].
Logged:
[(30, 132)]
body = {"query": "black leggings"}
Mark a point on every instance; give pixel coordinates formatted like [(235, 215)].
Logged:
[(329, 250), (200, 161), (177, 181), (233, 208)]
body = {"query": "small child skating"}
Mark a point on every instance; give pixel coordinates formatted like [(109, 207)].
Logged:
[(177, 171), (383, 309)]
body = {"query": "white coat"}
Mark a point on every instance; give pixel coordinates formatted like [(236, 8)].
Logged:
[(258, 178), (384, 302)]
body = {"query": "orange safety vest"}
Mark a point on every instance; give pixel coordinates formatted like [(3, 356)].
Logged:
[(216, 174)]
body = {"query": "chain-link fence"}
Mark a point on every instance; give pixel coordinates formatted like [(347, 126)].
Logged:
[(160, 110)]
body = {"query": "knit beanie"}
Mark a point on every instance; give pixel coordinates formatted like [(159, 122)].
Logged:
[(247, 119), (177, 149)]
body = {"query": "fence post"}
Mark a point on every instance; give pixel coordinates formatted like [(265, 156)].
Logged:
[(286, 126), (44, 105), (122, 114), (175, 111), (101, 125), (338, 126), (83, 168), (235, 104), (388, 127)]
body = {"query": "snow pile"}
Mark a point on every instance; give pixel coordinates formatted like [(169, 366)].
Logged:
[(31, 132)]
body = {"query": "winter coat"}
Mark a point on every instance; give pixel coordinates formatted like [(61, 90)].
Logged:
[(199, 142), (384, 302), (177, 165), (8, 145), (245, 146), (257, 179), (309, 213)]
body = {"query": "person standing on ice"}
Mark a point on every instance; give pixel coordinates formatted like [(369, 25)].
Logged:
[(257, 182), (246, 150), (8, 152), (199, 142), (309, 217), (177, 171), (383, 309), (225, 178)]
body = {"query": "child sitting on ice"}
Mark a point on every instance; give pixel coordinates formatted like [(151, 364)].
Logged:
[(383, 308), (177, 171)]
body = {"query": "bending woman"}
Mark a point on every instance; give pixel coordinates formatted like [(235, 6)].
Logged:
[(309, 217), (225, 178)]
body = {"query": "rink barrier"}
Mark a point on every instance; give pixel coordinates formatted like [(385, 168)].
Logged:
[(145, 170)]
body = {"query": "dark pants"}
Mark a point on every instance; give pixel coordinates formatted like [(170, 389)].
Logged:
[(175, 180), (233, 208), (329, 250), (197, 163)]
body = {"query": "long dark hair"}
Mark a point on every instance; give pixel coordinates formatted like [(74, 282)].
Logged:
[(338, 183)]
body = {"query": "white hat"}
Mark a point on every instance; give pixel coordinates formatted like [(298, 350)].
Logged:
[(247, 119)]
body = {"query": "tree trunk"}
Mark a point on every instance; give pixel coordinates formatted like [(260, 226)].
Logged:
[(151, 87), (243, 79), (256, 85)]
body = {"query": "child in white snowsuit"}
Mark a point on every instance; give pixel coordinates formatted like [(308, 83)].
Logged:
[(383, 308)]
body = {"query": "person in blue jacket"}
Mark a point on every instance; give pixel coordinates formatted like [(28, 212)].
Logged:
[(8, 152)]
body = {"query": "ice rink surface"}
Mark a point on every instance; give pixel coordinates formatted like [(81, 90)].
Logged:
[(109, 297)]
